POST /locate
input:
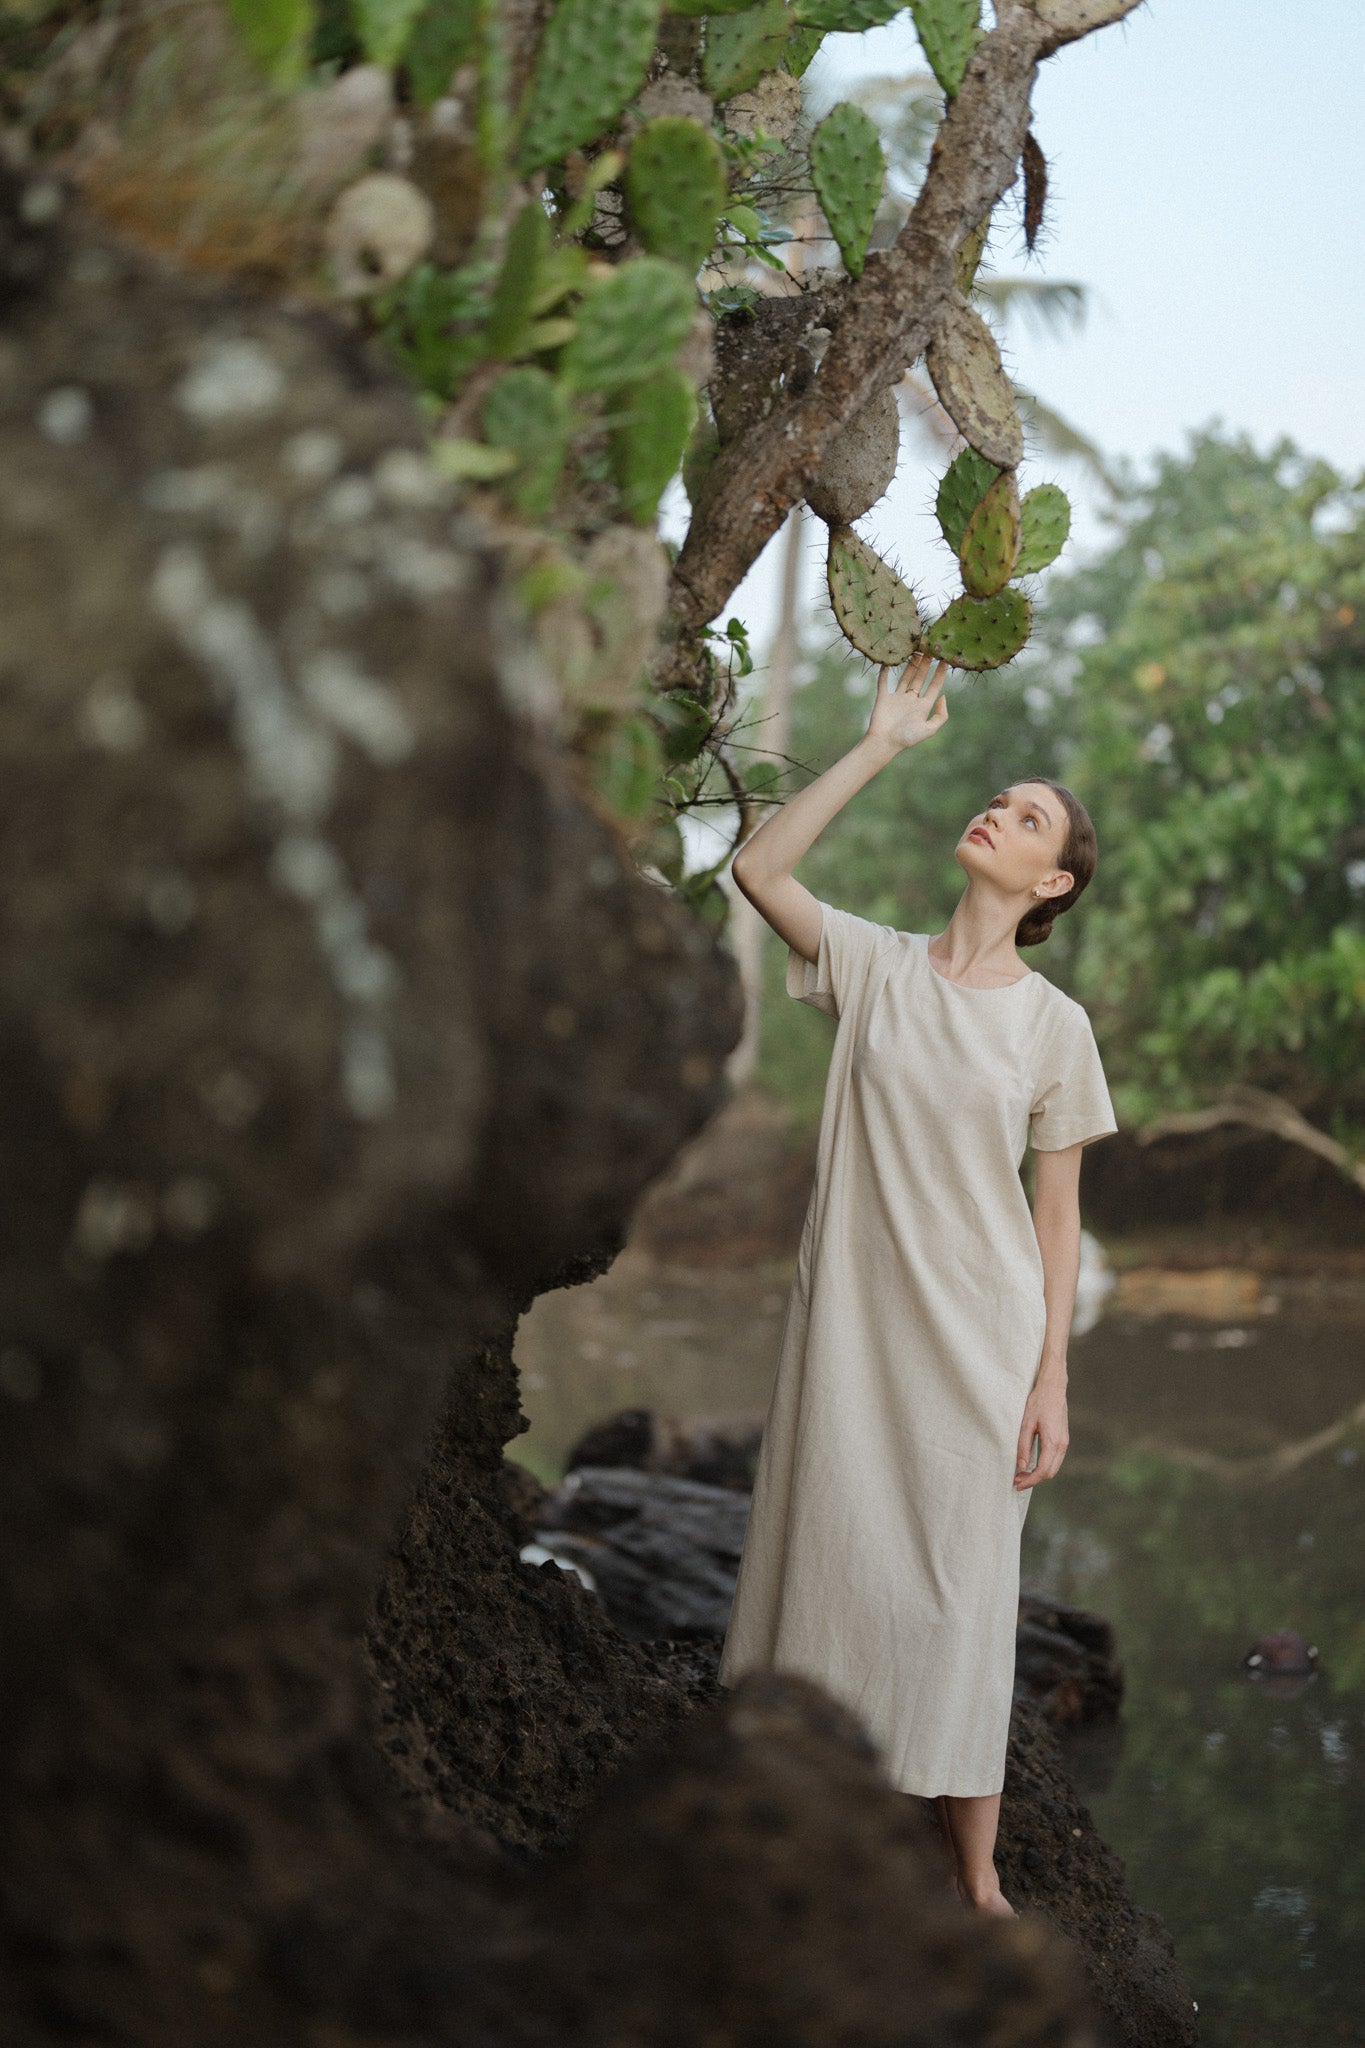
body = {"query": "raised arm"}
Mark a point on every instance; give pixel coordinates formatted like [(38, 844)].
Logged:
[(903, 714)]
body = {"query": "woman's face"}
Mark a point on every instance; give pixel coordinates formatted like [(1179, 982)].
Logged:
[(1017, 841)]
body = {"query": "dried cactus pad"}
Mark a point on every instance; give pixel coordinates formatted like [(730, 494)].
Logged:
[(676, 184), (875, 610), (981, 632), (991, 542), (1078, 17), (965, 482), (593, 58), (1045, 522), (949, 31), (859, 463), (964, 363), (848, 169)]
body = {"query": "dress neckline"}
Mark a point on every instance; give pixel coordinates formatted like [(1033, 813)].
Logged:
[(998, 989)]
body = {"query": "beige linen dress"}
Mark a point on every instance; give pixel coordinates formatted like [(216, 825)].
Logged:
[(882, 1550)]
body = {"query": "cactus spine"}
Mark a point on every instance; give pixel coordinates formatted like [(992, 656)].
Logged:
[(990, 545), (741, 47), (949, 31), (648, 440), (981, 632), (630, 326), (963, 361), (1045, 521), (875, 610), (848, 167), (592, 59), (675, 181)]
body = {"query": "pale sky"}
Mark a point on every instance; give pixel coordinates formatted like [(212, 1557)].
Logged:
[(1206, 165)]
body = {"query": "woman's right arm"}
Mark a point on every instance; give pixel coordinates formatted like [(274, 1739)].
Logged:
[(902, 716)]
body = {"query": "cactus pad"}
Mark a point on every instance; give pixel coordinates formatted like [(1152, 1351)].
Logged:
[(859, 463), (802, 45), (630, 326), (991, 542), (969, 253), (965, 482), (964, 362), (519, 279), (675, 181), (528, 413), (1077, 17), (845, 15), (949, 31), (648, 440), (741, 47), (848, 168), (593, 58), (981, 632), (1045, 521), (875, 610)]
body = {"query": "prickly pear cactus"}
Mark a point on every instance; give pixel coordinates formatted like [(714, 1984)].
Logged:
[(845, 16), (875, 610), (593, 58), (949, 31), (848, 167), (741, 47), (675, 182), (990, 545), (651, 432), (518, 280), (981, 632), (965, 482), (630, 327), (859, 464), (1078, 17), (802, 45), (969, 254), (1045, 522), (963, 361), (528, 413)]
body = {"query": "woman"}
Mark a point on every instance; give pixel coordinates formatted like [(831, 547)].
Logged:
[(925, 1341)]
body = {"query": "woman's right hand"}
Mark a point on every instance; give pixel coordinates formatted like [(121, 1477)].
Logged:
[(907, 713)]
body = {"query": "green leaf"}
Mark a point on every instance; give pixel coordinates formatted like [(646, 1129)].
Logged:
[(510, 314), (471, 461), (442, 40), (277, 35), (385, 27)]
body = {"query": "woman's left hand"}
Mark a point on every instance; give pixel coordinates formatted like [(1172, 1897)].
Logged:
[(1044, 1417)]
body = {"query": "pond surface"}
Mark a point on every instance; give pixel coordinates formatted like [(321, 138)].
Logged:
[(1214, 1491)]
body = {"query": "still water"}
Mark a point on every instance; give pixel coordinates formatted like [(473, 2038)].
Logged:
[(1214, 1491)]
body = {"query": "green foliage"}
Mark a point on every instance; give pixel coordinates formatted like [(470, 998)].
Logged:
[(965, 482), (876, 611), (433, 321), (949, 31), (514, 294), (630, 326), (675, 181), (277, 34), (1219, 703), (593, 57), (991, 542), (848, 169), (384, 27), (527, 412), (981, 632), (845, 16), (741, 47), (1044, 523), (648, 438), (442, 40)]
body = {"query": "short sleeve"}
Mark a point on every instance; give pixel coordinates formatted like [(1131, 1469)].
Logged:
[(848, 946), (1071, 1104)]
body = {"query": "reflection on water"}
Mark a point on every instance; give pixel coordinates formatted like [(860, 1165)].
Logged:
[(1214, 1490)]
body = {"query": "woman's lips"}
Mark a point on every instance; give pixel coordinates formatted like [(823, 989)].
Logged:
[(977, 833)]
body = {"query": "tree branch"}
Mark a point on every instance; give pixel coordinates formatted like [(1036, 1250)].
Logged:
[(1264, 1112), (890, 314)]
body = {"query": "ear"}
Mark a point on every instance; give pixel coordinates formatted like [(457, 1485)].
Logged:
[(1058, 884)]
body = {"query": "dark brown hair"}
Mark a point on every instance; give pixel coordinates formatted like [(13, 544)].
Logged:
[(1079, 856)]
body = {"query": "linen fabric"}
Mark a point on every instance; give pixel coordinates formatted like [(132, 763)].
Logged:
[(881, 1556)]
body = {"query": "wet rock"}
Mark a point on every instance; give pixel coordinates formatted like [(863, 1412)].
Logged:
[(663, 1552), (718, 1451), (1066, 1660)]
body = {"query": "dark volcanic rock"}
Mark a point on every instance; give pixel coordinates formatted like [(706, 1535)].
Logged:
[(1066, 1659), (663, 1552)]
